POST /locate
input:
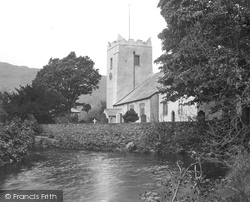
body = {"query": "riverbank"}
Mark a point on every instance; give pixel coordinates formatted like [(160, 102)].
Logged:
[(163, 138), (159, 138), (16, 138)]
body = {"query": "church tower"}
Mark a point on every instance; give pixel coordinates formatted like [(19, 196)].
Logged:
[(129, 63)]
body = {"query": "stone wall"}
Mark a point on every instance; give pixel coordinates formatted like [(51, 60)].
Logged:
[(158, 137)]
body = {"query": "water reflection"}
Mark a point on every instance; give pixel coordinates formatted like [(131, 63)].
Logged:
[(90, 176)]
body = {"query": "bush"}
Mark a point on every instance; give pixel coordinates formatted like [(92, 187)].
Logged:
[(15, 139), (130, 116), (237, 188)]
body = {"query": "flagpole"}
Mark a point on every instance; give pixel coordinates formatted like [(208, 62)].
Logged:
[(129, 21)]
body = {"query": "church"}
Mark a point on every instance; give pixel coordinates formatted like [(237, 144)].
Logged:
[(131, 83)]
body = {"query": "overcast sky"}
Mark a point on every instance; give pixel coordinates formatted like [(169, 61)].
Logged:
[(33, 31)]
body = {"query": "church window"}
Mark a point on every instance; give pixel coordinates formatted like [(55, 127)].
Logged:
[(180, 107), (142, 108), (165, 108), (137, 60), (111, 63)]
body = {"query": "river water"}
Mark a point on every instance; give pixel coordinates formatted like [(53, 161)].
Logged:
[(88, 176)]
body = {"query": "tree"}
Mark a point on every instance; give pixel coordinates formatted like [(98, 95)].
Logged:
[(2, 112), (206, 48), (206, 55), (71, 77), (94, 113), (34, 100), (86, 107), (130, 116)]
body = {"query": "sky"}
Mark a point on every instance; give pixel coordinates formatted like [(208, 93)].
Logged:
[(33, 31)]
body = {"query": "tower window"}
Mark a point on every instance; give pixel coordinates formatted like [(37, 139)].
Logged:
[(137, 60), (111, 63)]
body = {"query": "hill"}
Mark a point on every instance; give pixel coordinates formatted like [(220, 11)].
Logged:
[(97, 96), (12, 76)]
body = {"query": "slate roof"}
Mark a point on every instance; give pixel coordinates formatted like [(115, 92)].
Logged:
[(143, 91)]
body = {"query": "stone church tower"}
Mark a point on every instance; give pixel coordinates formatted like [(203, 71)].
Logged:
[(129, 63)]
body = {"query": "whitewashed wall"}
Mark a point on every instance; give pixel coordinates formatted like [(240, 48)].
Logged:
[(136, 104), (182, 112)]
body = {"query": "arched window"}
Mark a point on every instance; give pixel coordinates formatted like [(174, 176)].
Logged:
[(201, 116)]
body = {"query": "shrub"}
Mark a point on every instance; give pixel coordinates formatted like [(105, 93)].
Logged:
[(130, 116), (237, 188), (16, 137)]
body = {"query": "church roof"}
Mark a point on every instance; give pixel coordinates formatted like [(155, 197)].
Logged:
[(143, 91)]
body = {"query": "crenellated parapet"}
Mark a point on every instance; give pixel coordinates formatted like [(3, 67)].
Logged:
[(131, 42)]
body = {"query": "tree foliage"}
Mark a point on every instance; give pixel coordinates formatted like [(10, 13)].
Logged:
[(71, 77), (206, 55), (130, 116), (34, 100), (86, 107), (94, 113), (206, 48)]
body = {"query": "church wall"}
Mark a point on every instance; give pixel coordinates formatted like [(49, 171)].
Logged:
[(144, 70), (181, 113), (112, 75), (154, 108), (136, 106), (125, 72)]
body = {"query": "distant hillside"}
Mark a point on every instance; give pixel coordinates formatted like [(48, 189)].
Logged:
[(12, 76), (97, 95)]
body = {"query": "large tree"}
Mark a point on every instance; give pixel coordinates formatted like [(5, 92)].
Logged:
[(71, 76), (206, 48)]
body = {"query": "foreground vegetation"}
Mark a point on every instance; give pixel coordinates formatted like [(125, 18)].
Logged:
[(207, 144), (16, 138), (233, 188)]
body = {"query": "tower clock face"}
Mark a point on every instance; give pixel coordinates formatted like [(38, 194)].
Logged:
[(110, 75)]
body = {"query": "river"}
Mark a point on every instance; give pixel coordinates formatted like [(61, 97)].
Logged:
[(88, 176)]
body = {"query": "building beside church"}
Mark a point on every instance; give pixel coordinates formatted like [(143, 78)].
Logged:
[(131, 83)]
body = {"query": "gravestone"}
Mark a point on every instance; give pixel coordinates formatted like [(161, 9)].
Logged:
[(143, 118)]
